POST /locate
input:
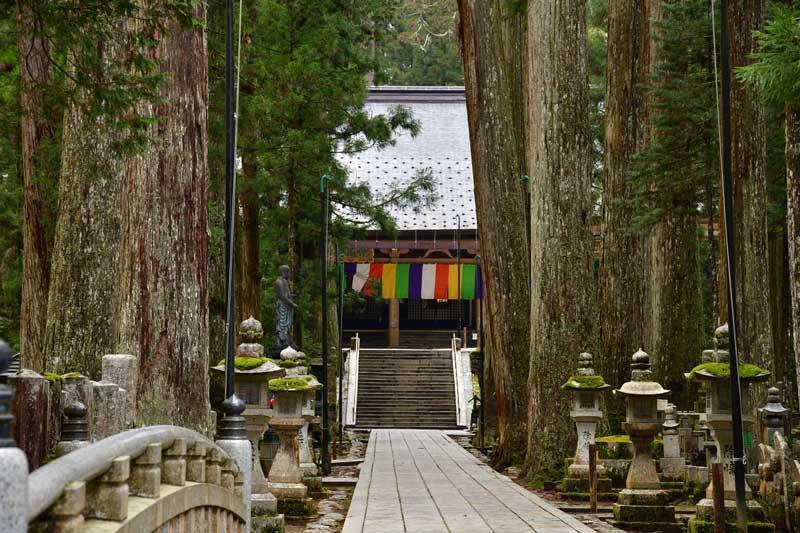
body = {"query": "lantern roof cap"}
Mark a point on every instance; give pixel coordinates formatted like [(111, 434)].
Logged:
[(253, 365), (641, 383), (774, 405)]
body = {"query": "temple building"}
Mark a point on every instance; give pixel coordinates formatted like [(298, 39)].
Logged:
[(422, 286)]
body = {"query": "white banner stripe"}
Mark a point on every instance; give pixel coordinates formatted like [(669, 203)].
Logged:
[(428, 281), (360, 277)]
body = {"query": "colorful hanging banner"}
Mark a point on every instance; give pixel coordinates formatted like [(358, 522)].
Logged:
[(415, 281)]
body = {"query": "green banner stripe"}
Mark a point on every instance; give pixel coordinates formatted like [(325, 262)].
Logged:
[(468, 282), (401, 283)]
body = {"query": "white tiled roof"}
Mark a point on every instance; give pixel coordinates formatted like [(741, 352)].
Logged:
[(442, 147)]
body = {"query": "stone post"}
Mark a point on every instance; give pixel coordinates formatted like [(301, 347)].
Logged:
[(29, 406), (773, 416), (79, 387), (74, 430), (145, 479), (232, 438), (13, 463), (123, 369), (108, 400), (673, 465), (107, 496), (285, 476)]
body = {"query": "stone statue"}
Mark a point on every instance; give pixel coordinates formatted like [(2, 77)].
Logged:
[(284, 309)]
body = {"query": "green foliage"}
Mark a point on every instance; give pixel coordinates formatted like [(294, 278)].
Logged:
[(776, 66), (723, 370), (420, 45), (614, 439), (673, 173)]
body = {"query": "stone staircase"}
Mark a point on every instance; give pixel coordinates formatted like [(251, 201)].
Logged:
[(405, 389)]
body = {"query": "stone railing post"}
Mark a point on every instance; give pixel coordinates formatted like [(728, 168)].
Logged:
[(173, 467), (13, 463), (107, 496), (196, 463), (232, 437), (66, 515), (29, 406), (213, 468), (145, 478)]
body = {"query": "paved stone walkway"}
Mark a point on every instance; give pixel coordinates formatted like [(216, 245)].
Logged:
[(422, 481)]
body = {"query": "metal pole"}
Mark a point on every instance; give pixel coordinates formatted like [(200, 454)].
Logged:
[(481, 424), (727, 188), (458, 266), (323, 258), (230, 198), (340, 359)]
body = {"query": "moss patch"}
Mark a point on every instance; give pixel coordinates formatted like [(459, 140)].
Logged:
[(51, 377), (614, 439), (579, 381), (288, 384), (287, 363), (723, 370), (70, 375), (247, 363)]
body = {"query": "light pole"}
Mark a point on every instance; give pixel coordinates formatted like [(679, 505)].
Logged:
[(481, 423), (323, 257), (458, 268), (727, 189), (232, 425)]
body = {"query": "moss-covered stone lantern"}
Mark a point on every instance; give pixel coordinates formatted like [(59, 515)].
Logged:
[(642, 504), (585, 388), (773, 416), (253, 372), (714, 375), (285, 476)]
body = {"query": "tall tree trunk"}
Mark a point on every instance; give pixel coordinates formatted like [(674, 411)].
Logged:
[(623, 261), (81, 311), (249, 301), (163, 312), (40, 170), (491, 34), (793, 223), (562, 252), (677, 339), (748, 161), (675, 304)]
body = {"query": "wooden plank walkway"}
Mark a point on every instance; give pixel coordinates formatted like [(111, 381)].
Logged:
[(422, 481)]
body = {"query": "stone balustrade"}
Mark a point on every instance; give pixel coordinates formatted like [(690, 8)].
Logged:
[(139, 480)]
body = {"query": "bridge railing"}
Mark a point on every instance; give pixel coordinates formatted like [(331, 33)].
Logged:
[(153, 478), (455, 352), (351, 396)]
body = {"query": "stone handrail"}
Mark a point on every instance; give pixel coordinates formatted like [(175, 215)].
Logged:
[(46, 484), (455, 353)]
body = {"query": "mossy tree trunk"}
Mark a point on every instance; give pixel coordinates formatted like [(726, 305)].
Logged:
[(39, 165), (163, 312), (793, 223), (558, 152), (748, 161), (623, 261), (84, 276), (491, 34), (249, 237)]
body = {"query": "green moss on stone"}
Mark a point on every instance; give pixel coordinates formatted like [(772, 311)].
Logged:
[(614, 439), (723, 370), (287, 363), (297, 508), (288, 384), (247, 363), (705, 526), (51, 377), (582, 382), (70, 375)]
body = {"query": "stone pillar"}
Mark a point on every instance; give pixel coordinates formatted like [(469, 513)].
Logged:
[(232, 438), (673, 465), (394, 323), (285, 476), (123, 369), (241, 452), (29, 406), (13, 490), (74, 430), (109, 401), (79, 387)]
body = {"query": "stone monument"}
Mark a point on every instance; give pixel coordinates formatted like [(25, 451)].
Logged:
[(284, 309), (585, 388), (715, 376), (285, 476), (673, 465), (295, 364), (642, 504)]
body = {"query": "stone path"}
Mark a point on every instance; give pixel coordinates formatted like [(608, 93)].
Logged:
[(422, 481)]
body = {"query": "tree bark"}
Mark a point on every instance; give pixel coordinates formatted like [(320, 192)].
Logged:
[(39, 166), (249, 302), (748, 162), (163, 311), (491, 35), (623, 261), (81, 324), (562, 252), (793, 223)]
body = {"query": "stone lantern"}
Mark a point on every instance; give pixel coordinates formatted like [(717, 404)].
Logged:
[(642, 504), (307, 464), (285, 476), (585, 388), (773, 416), (253, 372), (715, 376)]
